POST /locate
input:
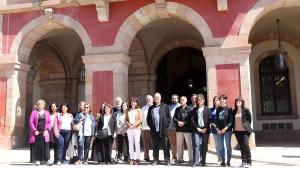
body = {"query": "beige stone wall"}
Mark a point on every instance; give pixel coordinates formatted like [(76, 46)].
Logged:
[(138, 76)]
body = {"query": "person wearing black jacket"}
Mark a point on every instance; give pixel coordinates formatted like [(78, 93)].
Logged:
[(242, 130), (223, 125), (158, 120), (182, 121), (104, 147), (200, 122)]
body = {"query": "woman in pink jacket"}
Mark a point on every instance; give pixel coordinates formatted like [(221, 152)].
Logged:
[(40, 124)]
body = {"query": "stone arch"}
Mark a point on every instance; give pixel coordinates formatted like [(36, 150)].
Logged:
[(147, 14), (260, 9), (260, 52), (35, 29)]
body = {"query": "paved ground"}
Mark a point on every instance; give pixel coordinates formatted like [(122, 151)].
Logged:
[(263, 157)]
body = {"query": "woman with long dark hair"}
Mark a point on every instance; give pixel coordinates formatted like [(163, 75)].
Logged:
[(242, 130), (213, 117), (134, 123), (95, 142), (121, 131), (106, 125), (62, 130), (53, 114)]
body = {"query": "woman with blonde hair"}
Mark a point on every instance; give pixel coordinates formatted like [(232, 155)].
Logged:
[(134, 123), (40, 125)]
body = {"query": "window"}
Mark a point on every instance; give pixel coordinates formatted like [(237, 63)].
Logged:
[(274, 89)]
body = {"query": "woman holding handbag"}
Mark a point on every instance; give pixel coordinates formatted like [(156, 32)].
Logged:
[(105, 133), (134, 123)]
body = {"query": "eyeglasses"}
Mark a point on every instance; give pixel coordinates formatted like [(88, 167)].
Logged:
[(86, 107)]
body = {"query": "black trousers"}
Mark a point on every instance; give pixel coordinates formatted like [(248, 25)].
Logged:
[(121, 139), (106, 145), (156, 140), (204, 147), (243, 141)]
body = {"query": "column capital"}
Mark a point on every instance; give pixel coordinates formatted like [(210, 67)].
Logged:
[(106, 58), (219, 55), (8, 67)]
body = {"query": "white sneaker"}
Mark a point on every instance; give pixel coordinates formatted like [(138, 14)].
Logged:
[(49, 162), (246, 165), (37, 163), (58, 163), (219, 162)]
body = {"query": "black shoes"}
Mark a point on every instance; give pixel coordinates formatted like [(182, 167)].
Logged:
[(147, 159)]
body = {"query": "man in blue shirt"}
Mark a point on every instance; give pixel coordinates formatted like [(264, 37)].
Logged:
[(158, 120)]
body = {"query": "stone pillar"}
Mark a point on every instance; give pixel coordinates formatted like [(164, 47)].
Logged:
[(217, 56), (14, 133), (101, 66)]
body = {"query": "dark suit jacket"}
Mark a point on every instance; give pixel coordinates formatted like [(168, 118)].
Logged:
[(164, 120), (112, 123), (206, 119), (246, 119)]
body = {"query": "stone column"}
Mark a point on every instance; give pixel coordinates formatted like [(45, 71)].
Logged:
[(215, 56), (14, 133), (117, 63)]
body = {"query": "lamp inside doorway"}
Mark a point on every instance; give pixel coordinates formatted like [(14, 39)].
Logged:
[(280, 56)]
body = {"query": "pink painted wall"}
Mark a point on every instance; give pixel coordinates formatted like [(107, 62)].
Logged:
[(3, 87), (228, 81), (102, 89), (103, 33)]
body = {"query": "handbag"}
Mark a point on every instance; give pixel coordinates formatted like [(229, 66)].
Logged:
[(101, 134), (77, 127)]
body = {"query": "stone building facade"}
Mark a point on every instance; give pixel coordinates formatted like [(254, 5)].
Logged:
[(95, 50)]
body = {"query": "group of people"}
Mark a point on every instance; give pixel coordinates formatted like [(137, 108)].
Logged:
[(125, 124)]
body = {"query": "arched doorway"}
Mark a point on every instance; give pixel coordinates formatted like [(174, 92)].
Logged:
[(56, 69), (275, 91), (153, 45), (181, 71)]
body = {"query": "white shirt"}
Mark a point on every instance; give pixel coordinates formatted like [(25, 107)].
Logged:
[(52, 118), (66, 121), (200, 117), (131, 116), (144, 118), (106, 120), (87, 126)]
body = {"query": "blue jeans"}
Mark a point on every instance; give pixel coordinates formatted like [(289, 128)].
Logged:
[(220, 139), (197, 141), (217, 147), (200, 142), (80, 147), (62, 144)]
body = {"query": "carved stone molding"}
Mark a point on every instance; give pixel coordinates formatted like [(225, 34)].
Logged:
[(160, 4), (222, 5), (102, 7), (48, 12)]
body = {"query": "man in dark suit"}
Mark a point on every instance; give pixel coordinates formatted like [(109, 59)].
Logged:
[(158, 120)]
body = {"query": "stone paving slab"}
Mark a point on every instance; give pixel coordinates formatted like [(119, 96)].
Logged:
[(263, 157)]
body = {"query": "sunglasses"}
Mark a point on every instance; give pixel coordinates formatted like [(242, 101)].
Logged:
[(86, 107)]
